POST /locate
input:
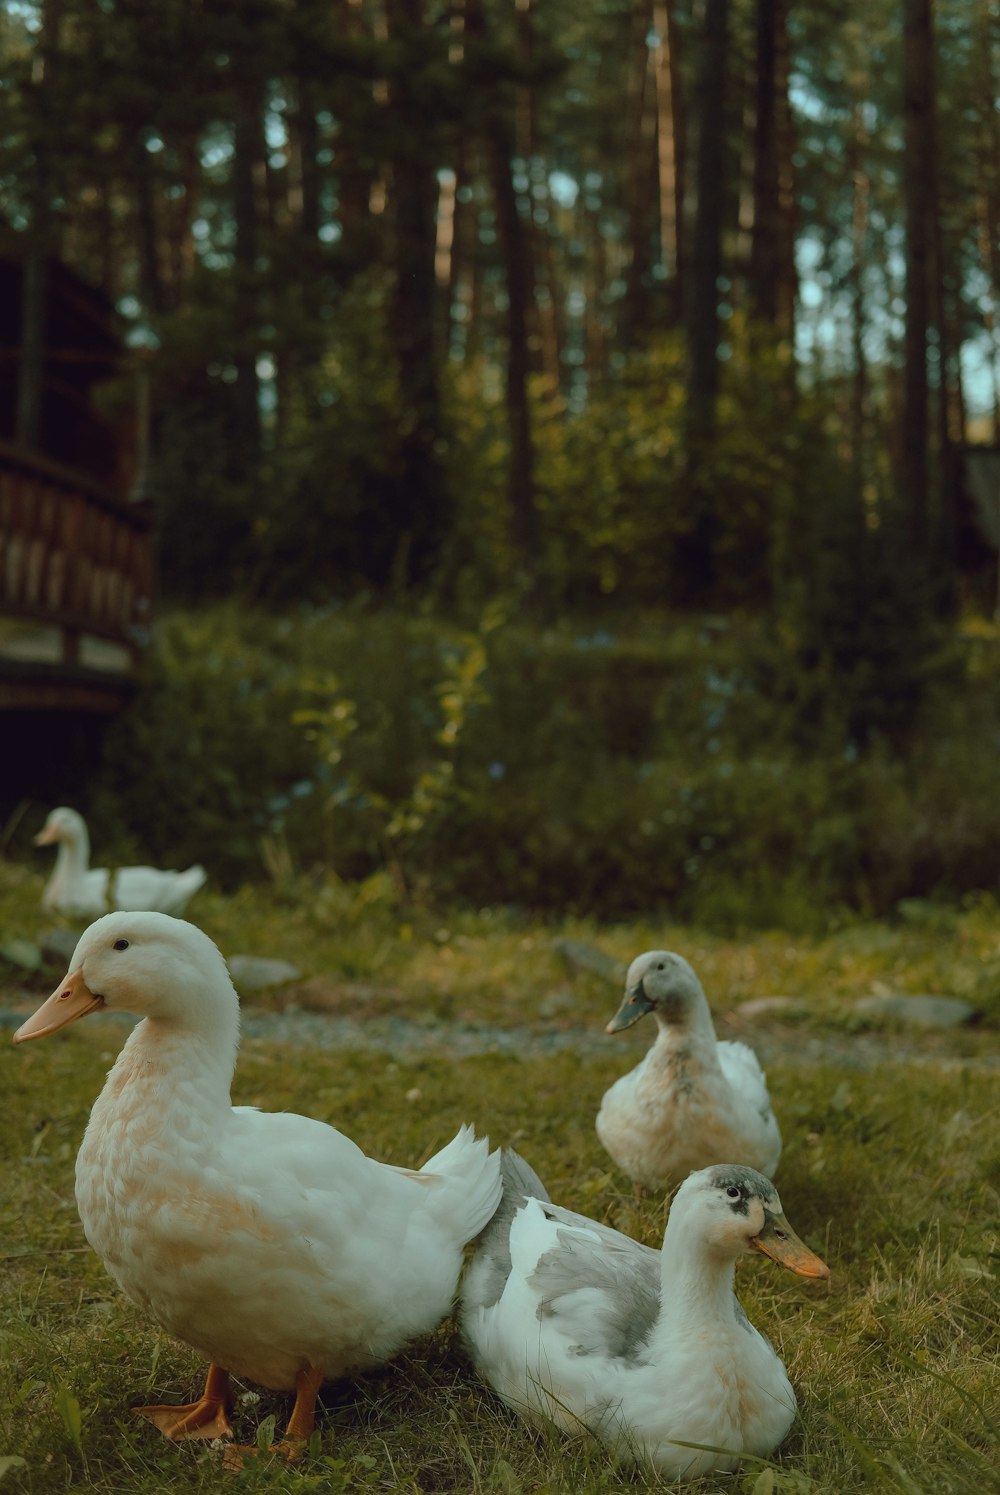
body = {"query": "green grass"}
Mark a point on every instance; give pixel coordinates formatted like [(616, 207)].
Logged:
[(892, 1173)]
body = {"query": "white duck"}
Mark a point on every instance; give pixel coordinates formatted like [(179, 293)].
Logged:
[(267, 1241), (81, 891), (691, 1101), (574, 1324)]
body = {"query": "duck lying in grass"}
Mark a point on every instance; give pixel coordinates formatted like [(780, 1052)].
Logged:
[(691, 1101), (267, 1241), (82, 892), (574, 1324)]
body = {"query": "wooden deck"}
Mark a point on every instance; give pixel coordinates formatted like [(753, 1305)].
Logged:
[(76, 573)]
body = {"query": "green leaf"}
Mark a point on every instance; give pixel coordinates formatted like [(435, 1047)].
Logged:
[(69, 1411), (265, 1433)]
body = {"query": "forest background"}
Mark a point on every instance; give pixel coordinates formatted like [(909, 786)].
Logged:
[(557, 420)]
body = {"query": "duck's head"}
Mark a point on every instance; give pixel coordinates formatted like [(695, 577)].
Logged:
[(63, 824), (735, 1209), (659, 982), (148, 964)]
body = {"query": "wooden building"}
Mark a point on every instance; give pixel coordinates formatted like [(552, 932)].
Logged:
[(76, 564)]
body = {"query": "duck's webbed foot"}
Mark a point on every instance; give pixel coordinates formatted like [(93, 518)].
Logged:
[(300, 1424), (205, 1418)]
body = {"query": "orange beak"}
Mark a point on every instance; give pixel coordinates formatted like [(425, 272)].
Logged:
[(778, 1241), (46, 836), (71, 999)]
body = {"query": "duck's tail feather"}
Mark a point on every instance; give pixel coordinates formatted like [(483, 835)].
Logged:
[(487, 1276), (520, 1180), (183, 886), (467, 1164)]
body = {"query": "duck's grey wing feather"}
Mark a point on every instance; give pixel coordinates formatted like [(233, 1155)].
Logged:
[(623, 1277)]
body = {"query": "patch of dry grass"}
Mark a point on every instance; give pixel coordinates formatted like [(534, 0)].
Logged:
[(891, 1172)]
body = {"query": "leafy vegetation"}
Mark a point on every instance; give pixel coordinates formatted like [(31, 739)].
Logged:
[(889, 1171), (692, 767)]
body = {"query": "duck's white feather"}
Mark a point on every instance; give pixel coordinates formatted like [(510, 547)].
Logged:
[(84, 892), (691, 1101), (268, 1241), (573, 1323)]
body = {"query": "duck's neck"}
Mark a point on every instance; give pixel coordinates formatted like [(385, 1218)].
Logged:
[(697, 1297), (73, 857), (183, 1073), (693, 1036)]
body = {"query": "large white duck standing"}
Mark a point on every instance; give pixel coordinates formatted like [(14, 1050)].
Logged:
[(82, 892), (267, 1241), (576, 1325), (691, 1101)]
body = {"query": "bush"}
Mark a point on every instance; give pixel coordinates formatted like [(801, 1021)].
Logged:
[(656, 770)]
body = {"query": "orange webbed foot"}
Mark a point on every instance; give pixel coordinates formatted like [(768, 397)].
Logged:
[(205, 1418), (298, 1432), (235, 1455)]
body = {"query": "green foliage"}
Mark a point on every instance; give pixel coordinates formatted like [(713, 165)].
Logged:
[(332, 724), (655, 767)]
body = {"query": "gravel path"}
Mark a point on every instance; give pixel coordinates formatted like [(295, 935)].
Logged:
[(410, 1038)]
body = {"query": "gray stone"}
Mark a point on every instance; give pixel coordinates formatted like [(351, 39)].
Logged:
[(259, 973), (924, 1011), (24, 954), (582, 957), (767, 1007), (59, 946)]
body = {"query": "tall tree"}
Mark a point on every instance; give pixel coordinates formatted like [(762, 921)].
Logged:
[(918, 175), (43, 115), (496, 116), (422, 494), (696, 549), (669, 148), (772, 246)]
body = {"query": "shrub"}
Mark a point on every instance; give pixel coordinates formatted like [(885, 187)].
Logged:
[(656, 770)]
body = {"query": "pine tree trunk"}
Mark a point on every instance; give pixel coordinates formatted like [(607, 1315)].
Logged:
[(422, 493), (146, 228), (695, 553), (917, 172), (247, 146), (498, 141), (772, 266), (669, 150), (857, 424), (641, 185), (43, 236), (988, 196)]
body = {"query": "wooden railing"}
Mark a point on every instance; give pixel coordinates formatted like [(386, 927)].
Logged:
[(73, 558)]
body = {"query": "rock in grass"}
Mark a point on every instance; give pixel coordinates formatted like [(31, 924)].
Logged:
[(259, 973), (769, 1007), (582, 957), (59, 946), (924, 1011), (24, 954)]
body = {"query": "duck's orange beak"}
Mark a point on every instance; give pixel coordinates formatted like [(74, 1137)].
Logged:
[(71, 999), (778, 1240)]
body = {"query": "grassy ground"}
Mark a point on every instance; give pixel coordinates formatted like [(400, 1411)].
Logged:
[(891, 1171)]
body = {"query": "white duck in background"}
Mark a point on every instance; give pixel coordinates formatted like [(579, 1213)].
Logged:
[(574, 1324), (83, 892), (691, 1101), (267, 1241)]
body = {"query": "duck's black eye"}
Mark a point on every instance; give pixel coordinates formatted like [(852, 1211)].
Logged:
[(661, 966), (733, 1192), (121, 944)]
